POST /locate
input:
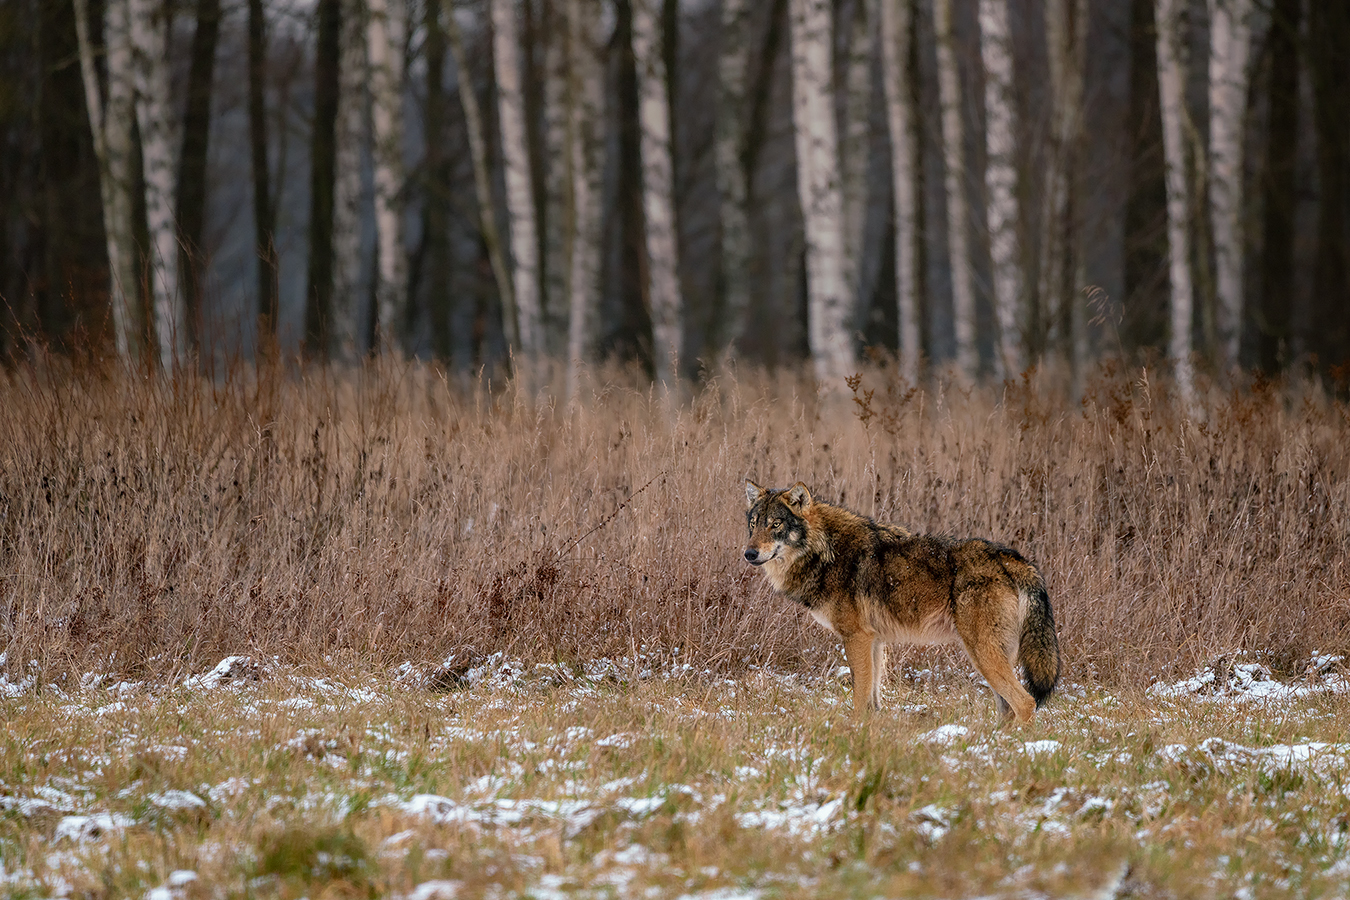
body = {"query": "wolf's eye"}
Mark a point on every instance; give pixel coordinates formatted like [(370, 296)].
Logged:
[(776, 523)]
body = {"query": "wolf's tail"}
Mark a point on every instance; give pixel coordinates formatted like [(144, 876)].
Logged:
[(1038, 648)]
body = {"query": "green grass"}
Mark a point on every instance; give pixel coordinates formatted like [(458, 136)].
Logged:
[(361, 786)]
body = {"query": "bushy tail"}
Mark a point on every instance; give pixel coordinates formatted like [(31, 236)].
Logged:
[(1038, 649)]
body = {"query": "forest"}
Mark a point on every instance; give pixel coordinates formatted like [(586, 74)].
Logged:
[(979, 186)]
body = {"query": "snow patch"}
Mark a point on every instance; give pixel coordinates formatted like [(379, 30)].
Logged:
[(944, 734), (93, 827), (230, 670), (174, 801), (1254, 682)]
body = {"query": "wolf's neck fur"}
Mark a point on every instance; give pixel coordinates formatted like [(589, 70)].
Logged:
[(789, 575)]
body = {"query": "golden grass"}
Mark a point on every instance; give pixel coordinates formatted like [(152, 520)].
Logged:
[(396, 513)]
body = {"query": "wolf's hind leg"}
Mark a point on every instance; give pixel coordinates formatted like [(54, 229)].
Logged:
[(992, 646)]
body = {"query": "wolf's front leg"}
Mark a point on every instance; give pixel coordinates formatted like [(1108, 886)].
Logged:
[(878, 670), (858, 652)]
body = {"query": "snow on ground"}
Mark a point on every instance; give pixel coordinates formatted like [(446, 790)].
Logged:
[(497, 801), (1251, 681)]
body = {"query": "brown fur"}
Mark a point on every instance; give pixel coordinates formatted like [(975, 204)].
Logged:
[(876, 584)]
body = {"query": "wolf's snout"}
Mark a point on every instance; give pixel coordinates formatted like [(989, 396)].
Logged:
[(752, 556)]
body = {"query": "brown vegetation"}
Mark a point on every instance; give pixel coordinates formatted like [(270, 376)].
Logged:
[(397, 513)]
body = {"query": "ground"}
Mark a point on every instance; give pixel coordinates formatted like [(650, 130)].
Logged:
[(637, 778)]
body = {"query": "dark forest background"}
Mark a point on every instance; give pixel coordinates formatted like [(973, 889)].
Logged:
[(54, 269)]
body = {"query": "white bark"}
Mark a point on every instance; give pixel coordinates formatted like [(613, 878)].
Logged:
[(958, 214), (112, 146), (1066, 39), (829, 312), (149, 39), (1000, 178), (900, 120), (520, 205), (586, 109), (487, 209), (732, 179), (1230, 49), (385, 51), (855, 137), (1171, 90), (658, 190)]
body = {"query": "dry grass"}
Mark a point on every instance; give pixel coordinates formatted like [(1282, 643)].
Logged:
[(696, 787), (393, 513)]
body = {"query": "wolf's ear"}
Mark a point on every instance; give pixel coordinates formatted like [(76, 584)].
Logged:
[(752, 493), (797, 497)]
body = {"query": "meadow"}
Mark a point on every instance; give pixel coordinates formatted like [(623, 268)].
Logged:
[(622, 780), (503, 646)]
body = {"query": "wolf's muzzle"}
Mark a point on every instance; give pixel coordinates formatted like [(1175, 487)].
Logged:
[(752, 557)]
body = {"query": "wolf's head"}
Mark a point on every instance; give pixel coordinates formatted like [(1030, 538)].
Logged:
[(776, 522)]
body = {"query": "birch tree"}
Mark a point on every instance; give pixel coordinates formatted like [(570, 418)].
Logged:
[(1000, 178), (1171, 91), (111, 128), (954, 180), (829, 312), (1230, 48), (487, 208), (349, 137), (384, 48), (520, 206), (1066, 40), (733, 60), (585, 110), (896, 39), (663, 286), (149, 39)]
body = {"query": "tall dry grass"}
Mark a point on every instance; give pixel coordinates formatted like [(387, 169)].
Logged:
[(396, 513)]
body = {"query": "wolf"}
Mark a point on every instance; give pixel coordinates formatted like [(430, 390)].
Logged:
[(874, 584)]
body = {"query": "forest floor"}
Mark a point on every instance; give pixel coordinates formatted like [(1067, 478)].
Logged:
[(633, 778)]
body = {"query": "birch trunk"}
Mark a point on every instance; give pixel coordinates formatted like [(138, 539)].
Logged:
[(487, 209), (818, 187), (520, 205), (855, 138), (733, 186), (1066, 39), (896, 39), (385, 51), (349, 132), (149, 38), (1171, 88), (1000, 178), (585, 118), (111, 130), (958, 210), (658, 206), (1230, 48)]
